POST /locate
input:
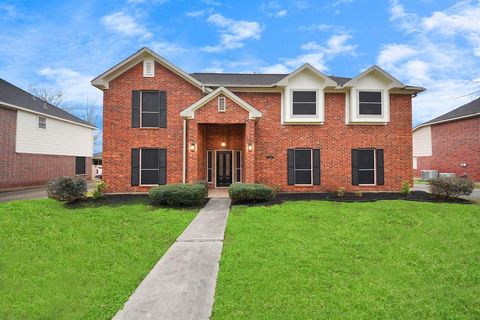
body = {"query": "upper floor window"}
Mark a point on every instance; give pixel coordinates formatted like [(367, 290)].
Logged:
[(42, 123), (370, 103), (304, 103), (148, 68), (222, 104), (153, 110)]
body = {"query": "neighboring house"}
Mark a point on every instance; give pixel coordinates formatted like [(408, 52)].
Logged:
[(301, 132), (97, 165), (450, 143), (39, 141)]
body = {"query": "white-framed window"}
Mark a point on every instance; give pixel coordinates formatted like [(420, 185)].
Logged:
[(209, 166), (42, 122), (238, 166), (148, 68), (151, 113), (303, 168), (370, 103), (222, 104), (304, 103), (367, 172), (149, 167)]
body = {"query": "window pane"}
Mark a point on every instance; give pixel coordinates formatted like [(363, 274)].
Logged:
[(304, 96), (79, 165), (365, 159), (370, 108), (209, 175), (149, 159), (239, 175), (149, 177), (366, 177), (305, 108), (150, 101), (303, 159), (150, 120), (239, 158), (303, 177), (366, 96)]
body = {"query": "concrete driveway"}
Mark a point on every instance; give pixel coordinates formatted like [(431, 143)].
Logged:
[(424, 187), (31, 193)]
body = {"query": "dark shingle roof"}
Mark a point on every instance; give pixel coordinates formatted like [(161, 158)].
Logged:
[(470, 108), (247, 79), (15, 96)]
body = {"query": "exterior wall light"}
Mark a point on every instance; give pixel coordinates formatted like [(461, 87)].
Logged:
[(192, 146), (250, 147), (223, 144)]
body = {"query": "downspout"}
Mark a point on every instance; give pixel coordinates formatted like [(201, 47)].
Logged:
[(184, 160)]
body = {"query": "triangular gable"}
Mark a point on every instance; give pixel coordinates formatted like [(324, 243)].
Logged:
[(328, 81), (189, 113), (394, 82), (102, 81)]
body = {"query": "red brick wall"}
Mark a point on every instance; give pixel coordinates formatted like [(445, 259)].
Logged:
[(26, 169), (454, 143), (267, 163)]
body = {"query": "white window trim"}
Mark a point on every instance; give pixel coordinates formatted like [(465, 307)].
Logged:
[(235, 174), (317, 109), (374, 169), (311, 169), (38, 122), (140, 169), (224, 104), (148, 74), (142, 112), (211, 152), (382, 104)]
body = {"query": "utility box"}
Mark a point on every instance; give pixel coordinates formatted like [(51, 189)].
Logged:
[(429, 174)]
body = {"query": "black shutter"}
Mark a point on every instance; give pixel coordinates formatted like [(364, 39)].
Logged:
[(380, 169), (316, 166), (291, 166), (355, 167), (162, 166), (135, 165), (163, 109), (135, 109)]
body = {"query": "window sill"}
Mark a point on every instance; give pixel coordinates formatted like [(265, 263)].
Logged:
[(367, 123), (303, 122), (303, 185)]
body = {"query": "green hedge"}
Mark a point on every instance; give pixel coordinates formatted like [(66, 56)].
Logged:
[(69, 189), (179, 195), (250, 192), (451, 186)]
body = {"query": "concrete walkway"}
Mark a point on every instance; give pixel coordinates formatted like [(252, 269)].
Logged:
[(182, 283)]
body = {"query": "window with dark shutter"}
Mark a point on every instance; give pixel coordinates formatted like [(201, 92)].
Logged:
[(152, 166), (304, 103), (135, 167), (369, 103), (209, 166), (303, 166), (80, 165), (153, 109), (316, 166), (366, 166), (238, 165)]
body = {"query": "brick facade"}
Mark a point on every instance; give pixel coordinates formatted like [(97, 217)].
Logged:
[(267, 162), (26, 169), (454, 143)]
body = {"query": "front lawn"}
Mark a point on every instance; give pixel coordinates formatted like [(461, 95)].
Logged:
[(329, 260), (79, 263)]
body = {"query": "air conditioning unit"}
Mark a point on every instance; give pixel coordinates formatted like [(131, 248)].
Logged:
[(447, 174), (429, 174)]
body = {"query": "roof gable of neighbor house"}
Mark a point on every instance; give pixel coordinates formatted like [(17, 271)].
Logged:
[(467, 110), (16, 98)]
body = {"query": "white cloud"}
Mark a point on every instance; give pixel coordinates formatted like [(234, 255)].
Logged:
[(276, 68), (167, 49), (125, 24), (462, 19), (199, 13), (409, 22), (273, 9), (233, 33), (317, 27)]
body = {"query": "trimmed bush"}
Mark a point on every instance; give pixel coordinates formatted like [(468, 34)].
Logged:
[(69, 189), (405, 188), (451, 186), (250, 192), (180, 194), (99, 189)]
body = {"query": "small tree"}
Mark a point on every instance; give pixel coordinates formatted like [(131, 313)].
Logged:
[(451, 186)]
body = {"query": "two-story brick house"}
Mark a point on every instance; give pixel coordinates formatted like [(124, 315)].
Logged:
[(304, 131)]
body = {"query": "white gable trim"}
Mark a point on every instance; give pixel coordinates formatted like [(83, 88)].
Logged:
[(102, 81), (189, 113), (328, 82), (393, 81)]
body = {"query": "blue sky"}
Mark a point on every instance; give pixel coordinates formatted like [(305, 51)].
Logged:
[(64, 44)]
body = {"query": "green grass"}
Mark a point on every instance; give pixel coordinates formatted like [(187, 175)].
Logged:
[(78, 263), (328, 260)]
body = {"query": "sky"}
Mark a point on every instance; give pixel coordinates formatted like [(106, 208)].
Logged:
[(63, 45)]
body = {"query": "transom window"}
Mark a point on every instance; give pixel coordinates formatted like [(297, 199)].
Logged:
[(303, 166), (149, 166), (366, 167), (370, 103), (42, 122), (222, 104), (151, 113), (304, 103)]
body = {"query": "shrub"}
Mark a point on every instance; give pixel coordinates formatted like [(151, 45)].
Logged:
[(405, 188), (98, 191), (451, 186), (180, 194), (250, 192), (358, 194), (340, 192), (69, 189)]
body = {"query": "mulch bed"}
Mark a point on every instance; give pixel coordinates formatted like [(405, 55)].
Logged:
[(421, 196)]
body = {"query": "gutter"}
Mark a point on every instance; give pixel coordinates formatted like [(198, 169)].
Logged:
[(184, 159), (446, 120)]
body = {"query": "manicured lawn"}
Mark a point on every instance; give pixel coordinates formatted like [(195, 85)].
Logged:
[(83, 263), (327, 260)]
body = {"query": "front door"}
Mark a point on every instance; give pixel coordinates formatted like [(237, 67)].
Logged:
[(224, 168)]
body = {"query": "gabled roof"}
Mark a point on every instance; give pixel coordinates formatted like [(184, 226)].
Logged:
[(102, 81), (189, 113), (329, 82), (471, 109), (238, 79), (395, 83), (13, 97)]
